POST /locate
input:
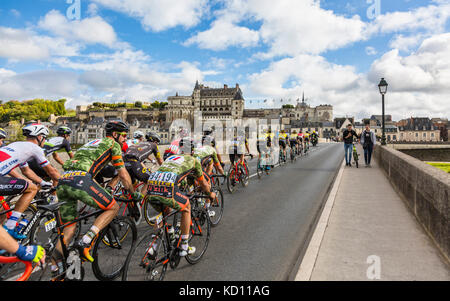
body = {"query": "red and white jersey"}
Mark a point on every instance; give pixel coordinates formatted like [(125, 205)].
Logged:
[(174, 147), (18, 153)]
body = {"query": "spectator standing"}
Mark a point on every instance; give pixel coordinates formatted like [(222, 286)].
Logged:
[(368, 141), (347, 136)]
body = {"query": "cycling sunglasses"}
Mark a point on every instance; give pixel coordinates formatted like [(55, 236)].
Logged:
[(123, 134)]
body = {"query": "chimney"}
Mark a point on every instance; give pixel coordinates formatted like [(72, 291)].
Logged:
[(225, 86), (237, 86)]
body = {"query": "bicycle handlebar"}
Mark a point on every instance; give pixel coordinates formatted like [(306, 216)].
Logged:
[(28, 266)]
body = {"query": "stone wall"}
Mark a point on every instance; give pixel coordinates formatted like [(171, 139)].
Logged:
[(425, 189), (429, 154)]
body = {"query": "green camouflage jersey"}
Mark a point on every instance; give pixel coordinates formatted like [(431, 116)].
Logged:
[(206, 152), (93, 156), (180, 165)]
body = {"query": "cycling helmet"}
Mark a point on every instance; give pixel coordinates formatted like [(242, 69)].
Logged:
[(34, 130), (207, 131), (3, 133), (138, 135), (208, 140), (63, 130), (187, 145), (183, 133), (152, 137), (116, 126)]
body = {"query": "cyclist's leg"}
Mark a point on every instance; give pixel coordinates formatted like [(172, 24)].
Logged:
[(16, 186), (88, 191)]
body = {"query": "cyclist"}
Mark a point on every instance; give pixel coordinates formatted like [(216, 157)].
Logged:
[(15, 155), (314, 137), (138, 137), (237, 146), (31, 253), (208, 159), (174, 147), (3, 135), (208, 139), (50, 147), (77, 183), (293, 140), (137, 153), (165, 194), (306, 138), (263, 146), (282, 139), (300, 141)]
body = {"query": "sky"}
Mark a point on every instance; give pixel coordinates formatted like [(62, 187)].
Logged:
[(335, 52)]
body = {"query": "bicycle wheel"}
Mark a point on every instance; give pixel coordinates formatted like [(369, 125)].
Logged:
[(243, 176), (139, 266), (199, 233), (217, 207), (112, 248), (231, 179)]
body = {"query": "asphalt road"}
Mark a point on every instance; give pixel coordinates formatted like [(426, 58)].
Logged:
[(265, 224)]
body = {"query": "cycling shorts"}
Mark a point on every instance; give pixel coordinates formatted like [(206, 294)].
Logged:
[(79, 185), (108, 172), (137, 171), (283, 144), (293, 142), (12, 186)]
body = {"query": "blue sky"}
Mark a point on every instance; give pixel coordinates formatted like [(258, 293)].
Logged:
[(148, 49)]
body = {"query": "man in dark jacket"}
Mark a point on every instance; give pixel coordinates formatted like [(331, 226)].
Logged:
[(368, 140), (348, 143)]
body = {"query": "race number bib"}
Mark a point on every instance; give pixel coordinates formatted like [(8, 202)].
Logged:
[(163, 179)]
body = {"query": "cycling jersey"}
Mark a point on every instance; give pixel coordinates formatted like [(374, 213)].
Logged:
[(142, 151), (173, 149), (94, 155), (283, 137), (163, 189), (237, 145), (18, 153), (293, 137), (206, 152), (56, 143), (306, 136)]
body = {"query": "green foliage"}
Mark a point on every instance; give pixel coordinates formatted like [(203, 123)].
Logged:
[(37, 109), (288, 106), (441, 165)]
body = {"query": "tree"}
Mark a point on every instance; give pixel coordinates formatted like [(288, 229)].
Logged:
[(138, 104), (288, 106)]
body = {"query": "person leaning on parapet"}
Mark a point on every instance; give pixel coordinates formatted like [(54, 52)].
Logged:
[(368, 141), (348, 144)]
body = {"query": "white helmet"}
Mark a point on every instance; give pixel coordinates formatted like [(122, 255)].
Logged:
[(34, 130), (138, 135)]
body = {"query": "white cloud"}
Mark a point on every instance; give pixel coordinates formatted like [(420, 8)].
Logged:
[(21, 45), (224, 34), (289, 27), (431, 18), (87, 30), (159, 15)]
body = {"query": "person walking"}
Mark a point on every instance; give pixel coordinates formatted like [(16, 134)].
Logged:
[(348, 143), (368, 141)]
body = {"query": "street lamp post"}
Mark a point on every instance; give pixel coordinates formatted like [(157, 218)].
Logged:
[(382, 86)]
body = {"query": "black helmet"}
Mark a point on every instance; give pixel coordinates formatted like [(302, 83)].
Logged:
[(3, 133), (116, 126), (152, 137), (207, 131), (63, 130), (187, 145)]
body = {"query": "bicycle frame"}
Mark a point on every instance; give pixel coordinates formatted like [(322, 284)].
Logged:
[(28, 266)]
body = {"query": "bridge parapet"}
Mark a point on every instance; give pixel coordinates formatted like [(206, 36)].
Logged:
[(425, 189)]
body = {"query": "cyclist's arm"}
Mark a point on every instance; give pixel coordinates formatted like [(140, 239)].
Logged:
[(29, 173), (28, 253), (8, 243), (57, 158), (52, 172), (125, 179)]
